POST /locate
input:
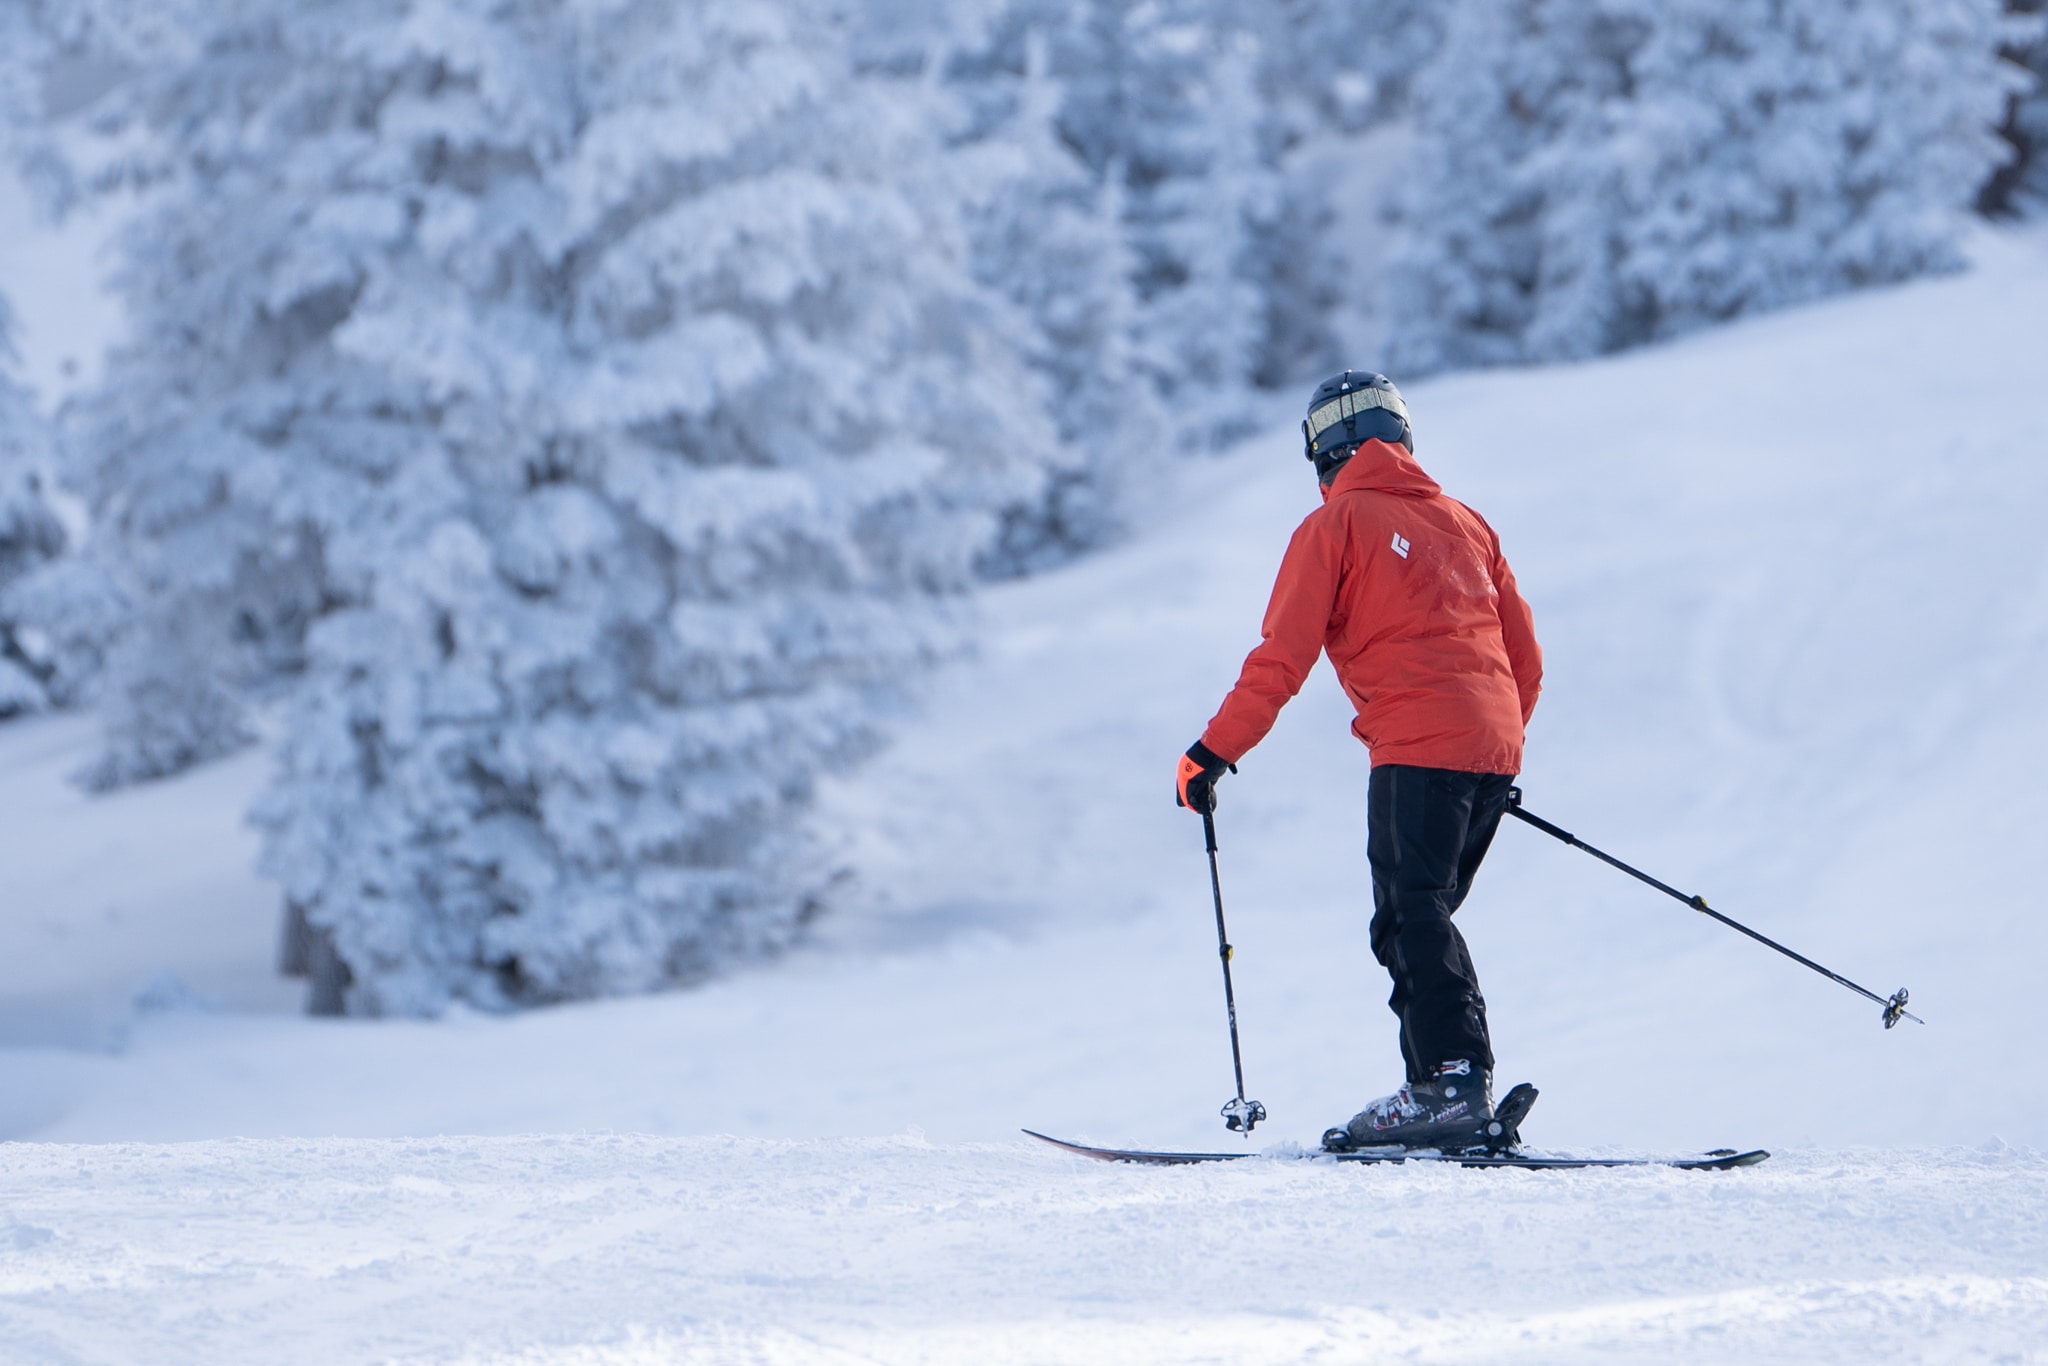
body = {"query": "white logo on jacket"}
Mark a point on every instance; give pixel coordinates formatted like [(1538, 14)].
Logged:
[(1400, 545)]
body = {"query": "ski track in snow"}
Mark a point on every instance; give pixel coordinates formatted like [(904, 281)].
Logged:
[(1794, 634), (609, 1249)]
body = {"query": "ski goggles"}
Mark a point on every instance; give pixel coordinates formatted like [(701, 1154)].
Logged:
[(1346, 406)]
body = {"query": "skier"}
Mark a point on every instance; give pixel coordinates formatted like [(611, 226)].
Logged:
[(1408, 592)]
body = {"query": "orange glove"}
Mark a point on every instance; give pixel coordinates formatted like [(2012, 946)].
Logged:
[(1194, 783)]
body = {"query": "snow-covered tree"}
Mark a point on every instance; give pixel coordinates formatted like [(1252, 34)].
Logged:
[(570, 394), (1160, 104), (2021, 185), (57, 611), (1126, 228), (29, 534), (1345, 65), (1593, 174), (31, 537), (21, 43), (1336, 80), (1046, 235)]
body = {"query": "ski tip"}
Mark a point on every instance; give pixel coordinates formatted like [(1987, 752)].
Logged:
[(1082, 1149), (1056, 1142), (1724, 1159), (1141, 1156)]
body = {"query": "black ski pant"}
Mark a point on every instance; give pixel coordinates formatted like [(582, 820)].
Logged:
[(1426, 831)]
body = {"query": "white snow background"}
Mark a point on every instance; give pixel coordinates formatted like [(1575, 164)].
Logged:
[(1793, 590)]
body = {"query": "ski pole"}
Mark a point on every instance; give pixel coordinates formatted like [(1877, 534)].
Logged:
[(1894, 1005), (1238, 1114)]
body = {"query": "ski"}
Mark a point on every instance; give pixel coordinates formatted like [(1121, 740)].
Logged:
[(1720, 1159)]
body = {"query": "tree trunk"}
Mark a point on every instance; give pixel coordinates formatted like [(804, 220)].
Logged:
[(295, 943), (328, 994)]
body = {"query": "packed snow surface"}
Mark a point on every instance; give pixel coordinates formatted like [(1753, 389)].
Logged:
[(639, 1250), (1793, 591)]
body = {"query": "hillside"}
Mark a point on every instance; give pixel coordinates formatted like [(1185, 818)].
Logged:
[(1794, 596), (1791, 586)]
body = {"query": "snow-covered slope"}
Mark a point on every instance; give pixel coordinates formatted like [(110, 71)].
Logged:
[(1793, 588), (1794, 595), (636, 1251)]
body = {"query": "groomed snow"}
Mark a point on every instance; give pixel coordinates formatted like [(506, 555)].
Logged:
[(1792, 585), (583, 1250)]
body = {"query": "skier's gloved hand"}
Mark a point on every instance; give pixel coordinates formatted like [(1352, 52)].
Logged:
[(1194, 783)]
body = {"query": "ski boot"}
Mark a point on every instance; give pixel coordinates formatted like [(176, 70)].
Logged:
[(1452, 1111)]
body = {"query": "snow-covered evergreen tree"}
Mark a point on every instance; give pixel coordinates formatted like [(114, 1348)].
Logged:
[(57, 610), (1336, 79), (29, 534), (1596, 173), (31, 537), (1345, 65), (2021, 185), (571, 392), (1047, 235), (1127, 229), (1161, 104), (21, 44)]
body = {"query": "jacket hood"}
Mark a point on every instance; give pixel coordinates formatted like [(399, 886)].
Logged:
[(1383, 466)]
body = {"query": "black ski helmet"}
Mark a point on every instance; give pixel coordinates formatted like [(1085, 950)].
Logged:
[(1358, 405)]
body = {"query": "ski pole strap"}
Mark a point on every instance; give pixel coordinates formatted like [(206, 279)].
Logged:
[(1894, 1005)]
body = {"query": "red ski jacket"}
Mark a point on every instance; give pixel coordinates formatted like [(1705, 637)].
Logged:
[(1408, 592)]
